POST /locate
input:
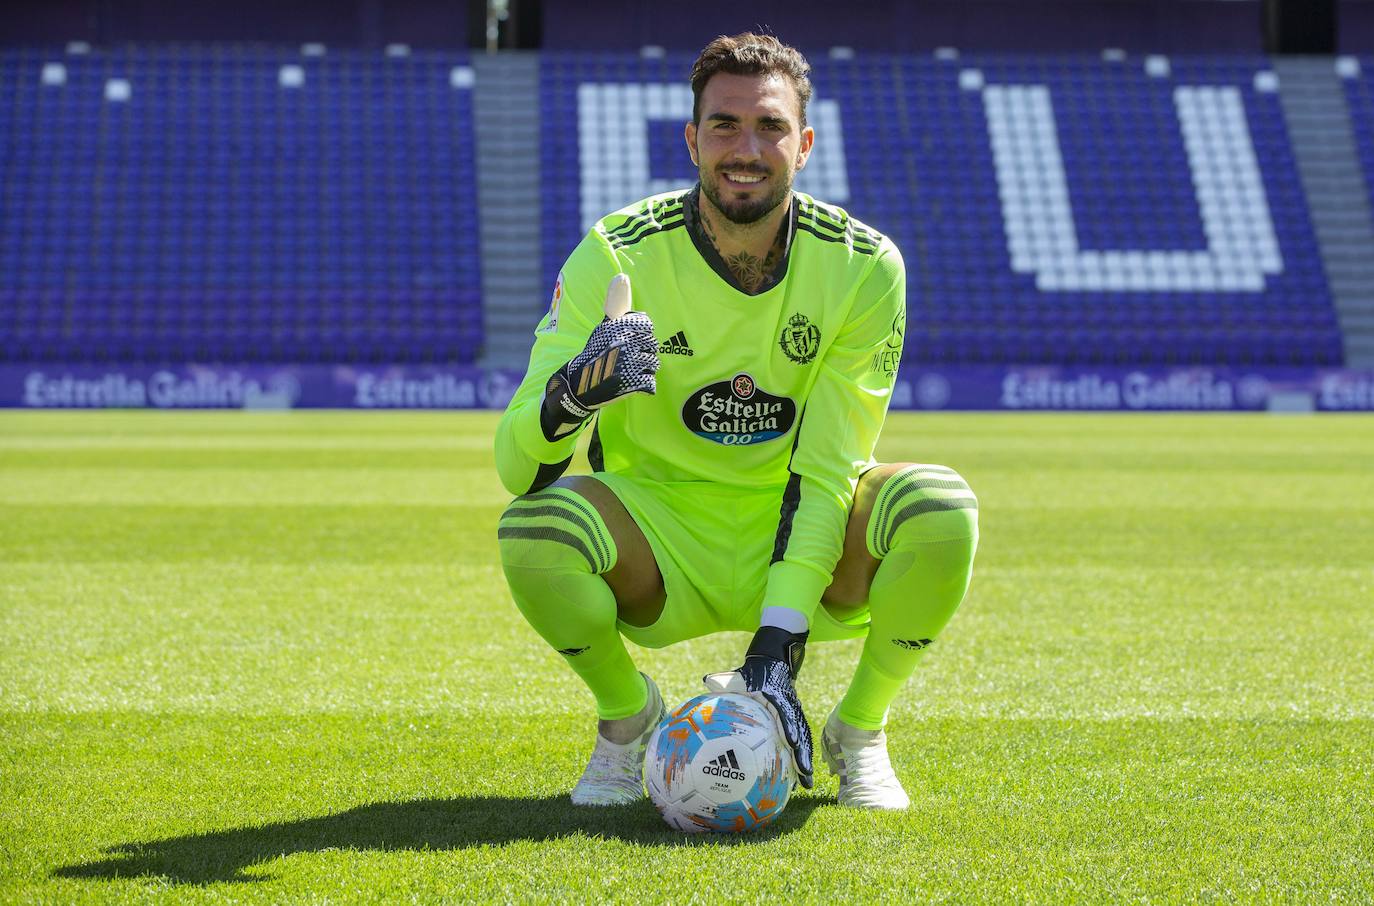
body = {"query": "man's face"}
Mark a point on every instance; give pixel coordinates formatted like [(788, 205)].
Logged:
[(749, 144)]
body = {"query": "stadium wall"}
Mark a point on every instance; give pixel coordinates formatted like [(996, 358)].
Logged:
[(989, 388), (1047, 26), (336, 23), (900, 26)]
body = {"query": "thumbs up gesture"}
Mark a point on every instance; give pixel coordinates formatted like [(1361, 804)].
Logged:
[(621, 357), (618, 296)]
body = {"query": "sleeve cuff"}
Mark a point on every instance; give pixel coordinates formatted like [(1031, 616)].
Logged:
[(529, 436), (796, 586)]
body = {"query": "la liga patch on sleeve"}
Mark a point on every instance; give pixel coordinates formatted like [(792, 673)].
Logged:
[(551, 319)]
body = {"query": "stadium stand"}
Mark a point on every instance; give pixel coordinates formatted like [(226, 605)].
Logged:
[(1359, 95), (233, 203), (1056, 209), (237, 204)]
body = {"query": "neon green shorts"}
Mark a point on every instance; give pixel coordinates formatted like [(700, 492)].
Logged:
[(713, 545)]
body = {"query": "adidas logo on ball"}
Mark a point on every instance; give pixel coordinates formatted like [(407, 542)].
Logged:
[(724, 766), (741, 783)]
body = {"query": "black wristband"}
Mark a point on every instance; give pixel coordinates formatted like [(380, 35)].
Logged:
[(561, 412), (780, 645)]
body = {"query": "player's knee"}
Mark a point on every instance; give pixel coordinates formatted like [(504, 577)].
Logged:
[(554, 528), (923, 504)]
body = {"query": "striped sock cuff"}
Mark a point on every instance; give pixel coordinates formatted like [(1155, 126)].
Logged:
[(921, 491), (565, 518)]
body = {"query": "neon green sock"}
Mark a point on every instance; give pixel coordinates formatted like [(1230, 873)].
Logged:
[(924, 529), (554, 548)]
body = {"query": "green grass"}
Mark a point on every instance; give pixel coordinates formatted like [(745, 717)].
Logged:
[(261, 658)]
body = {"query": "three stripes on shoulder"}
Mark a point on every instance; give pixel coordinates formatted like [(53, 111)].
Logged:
[(827, 223)]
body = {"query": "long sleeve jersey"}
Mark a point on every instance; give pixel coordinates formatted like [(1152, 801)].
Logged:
[(786, 388)]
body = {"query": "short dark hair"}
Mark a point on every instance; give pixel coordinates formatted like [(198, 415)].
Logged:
[(751, 54)]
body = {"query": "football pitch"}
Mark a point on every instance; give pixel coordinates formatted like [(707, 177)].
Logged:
[(271, 657)]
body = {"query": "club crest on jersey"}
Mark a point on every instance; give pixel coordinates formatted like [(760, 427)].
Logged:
[(551, 322), (738, 412), (800, 339)]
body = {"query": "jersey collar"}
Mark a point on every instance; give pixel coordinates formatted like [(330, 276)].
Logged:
[(691, 217)]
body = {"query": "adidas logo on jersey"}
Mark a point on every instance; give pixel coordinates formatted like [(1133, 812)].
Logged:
[(675, 345), (724, 766)]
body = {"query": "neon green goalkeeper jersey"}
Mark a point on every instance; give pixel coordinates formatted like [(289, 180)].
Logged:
[(784, 388)]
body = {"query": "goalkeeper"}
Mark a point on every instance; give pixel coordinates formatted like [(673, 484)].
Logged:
[(732, 350)]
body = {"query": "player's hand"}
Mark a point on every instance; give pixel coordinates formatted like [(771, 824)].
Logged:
[(770, 668), (621, 356)]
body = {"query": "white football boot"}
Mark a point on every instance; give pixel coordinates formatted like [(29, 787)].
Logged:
[(615, 774), (859, 759)]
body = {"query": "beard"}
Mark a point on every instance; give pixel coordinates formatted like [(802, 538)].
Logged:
[(745, 211)]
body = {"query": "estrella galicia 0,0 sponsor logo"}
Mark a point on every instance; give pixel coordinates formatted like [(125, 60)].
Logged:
[(738, 412)]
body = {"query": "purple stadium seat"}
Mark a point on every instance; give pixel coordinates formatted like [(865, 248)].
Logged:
[(221, 203), (937, 197)]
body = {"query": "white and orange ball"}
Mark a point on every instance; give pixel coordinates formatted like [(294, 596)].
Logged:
[(719, 763)]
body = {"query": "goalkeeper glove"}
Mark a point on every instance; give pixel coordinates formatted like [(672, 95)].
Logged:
[(770, 668), (621, 356)]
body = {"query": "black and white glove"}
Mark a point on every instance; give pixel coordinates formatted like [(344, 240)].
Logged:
[(621, 356), (770, 668)]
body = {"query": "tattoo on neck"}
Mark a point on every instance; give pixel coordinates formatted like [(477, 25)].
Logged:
[(709, 230), (749, 270)]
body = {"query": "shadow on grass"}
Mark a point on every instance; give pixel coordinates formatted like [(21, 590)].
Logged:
[(418, 824)]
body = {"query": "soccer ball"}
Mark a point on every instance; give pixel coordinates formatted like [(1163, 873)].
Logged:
[(718, 763)]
